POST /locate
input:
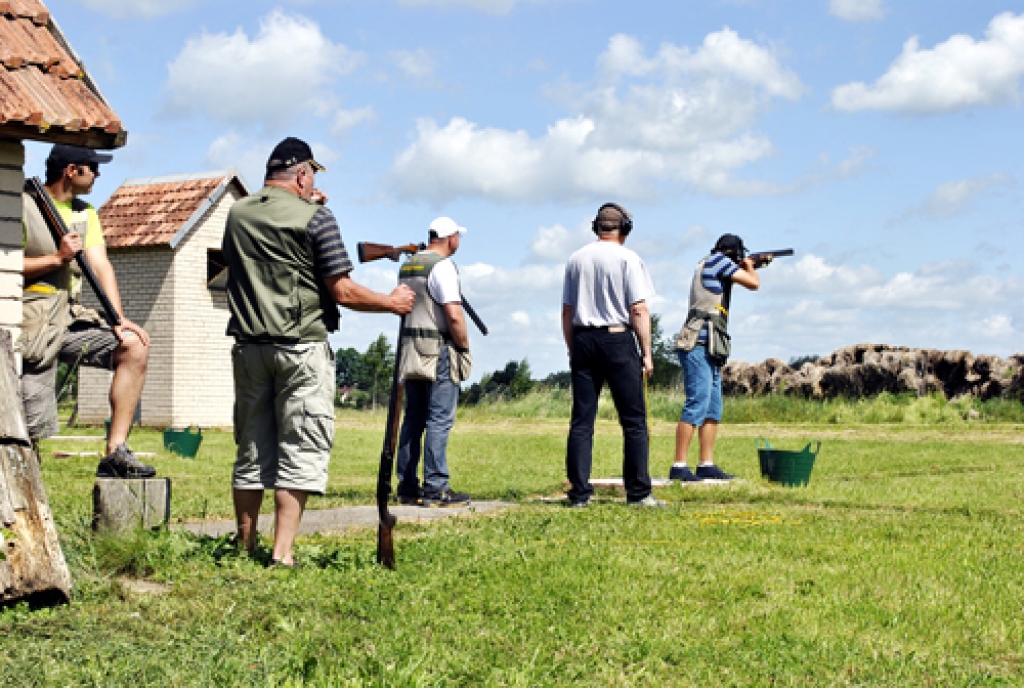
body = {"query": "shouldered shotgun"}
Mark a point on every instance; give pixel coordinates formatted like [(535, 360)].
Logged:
[(369, 252), (35, 189)]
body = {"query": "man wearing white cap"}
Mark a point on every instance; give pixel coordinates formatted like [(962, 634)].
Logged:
[(435, 359)]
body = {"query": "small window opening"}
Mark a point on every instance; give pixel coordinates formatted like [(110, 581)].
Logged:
[(216, 270)]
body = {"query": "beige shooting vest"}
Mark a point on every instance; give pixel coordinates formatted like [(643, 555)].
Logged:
[(425, 329), (45, 313), (705, 307)]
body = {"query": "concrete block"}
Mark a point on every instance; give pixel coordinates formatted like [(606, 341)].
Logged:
[(11, 259), (12, 152), (10, 309)]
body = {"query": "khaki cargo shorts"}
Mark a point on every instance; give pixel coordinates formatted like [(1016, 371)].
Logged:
[(95, 343), (284, 415)]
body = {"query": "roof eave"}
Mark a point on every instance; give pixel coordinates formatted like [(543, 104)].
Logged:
[(89, 138)]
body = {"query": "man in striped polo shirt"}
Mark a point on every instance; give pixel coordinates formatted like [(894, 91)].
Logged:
[(703, 347)]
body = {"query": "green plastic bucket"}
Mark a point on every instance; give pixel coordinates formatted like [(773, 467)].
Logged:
[(791, 468), (183, 442)]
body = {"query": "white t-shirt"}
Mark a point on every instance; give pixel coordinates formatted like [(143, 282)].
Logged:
[(602, 280), (443, 283)]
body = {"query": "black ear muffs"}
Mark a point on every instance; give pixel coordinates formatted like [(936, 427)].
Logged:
[(625, 225)]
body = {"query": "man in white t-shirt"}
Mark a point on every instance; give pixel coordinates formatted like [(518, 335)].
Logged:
[(435, 359), (607, 329)]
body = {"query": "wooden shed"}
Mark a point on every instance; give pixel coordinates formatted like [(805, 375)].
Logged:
[(163, 237)]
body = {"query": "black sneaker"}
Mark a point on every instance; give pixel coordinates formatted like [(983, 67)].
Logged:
[(121, 463), (581, 504), (713, 472), (683, 474), (410, 499), (445, 498)]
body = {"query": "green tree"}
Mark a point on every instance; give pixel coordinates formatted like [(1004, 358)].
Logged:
[(349, 368), (667, 372), (379, 361)]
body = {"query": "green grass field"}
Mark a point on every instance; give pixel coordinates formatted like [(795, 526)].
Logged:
[(902, 563)]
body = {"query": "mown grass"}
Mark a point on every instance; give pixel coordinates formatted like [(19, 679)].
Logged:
[(900, 564)]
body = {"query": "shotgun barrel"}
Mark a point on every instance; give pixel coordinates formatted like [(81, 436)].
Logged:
[(762, 258), (35, 189)]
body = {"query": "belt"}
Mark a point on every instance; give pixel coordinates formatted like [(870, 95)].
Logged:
[(605, 328), (40, 288)]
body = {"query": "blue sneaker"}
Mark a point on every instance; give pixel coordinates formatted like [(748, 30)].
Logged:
[(712, 472), (683, 474)]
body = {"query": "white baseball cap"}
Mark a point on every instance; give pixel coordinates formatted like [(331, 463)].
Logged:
[(445, 227)]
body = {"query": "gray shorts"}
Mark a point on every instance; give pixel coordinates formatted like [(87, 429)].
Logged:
[(284, 415), (96, 344)]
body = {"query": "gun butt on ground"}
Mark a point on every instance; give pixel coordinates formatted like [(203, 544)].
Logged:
[(762, 258)]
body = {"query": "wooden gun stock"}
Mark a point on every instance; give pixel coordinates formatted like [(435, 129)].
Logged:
[(762, 258), (385, 530), (35, 189), (369, 252)]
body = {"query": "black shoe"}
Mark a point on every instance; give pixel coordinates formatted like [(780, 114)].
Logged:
[(121, 463), (581, 504), (412, 500), (683, 474), (445, 498), (713, 472)]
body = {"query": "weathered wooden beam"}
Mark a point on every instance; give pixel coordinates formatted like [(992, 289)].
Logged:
[(32, 566), (120, 505)]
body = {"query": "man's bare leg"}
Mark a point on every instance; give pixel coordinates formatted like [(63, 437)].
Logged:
[(290, 504), (130, 362), (684, 436), (247, 514), (706, 436)]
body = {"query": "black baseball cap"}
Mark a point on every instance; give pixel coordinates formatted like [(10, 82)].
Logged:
[(62, 155), (292, 151), (730, 243)]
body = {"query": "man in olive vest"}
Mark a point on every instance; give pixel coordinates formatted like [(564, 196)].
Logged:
[(55, 327), (703, 346), (287, 271), (435, 359)]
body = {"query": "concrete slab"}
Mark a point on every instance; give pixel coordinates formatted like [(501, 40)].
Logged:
[(343, 518)]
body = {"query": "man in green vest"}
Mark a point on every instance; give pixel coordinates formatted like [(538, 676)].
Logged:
[(55, 327), (288, 269)]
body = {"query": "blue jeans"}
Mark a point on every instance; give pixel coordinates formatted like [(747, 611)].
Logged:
[(430, 407), (702, 380)]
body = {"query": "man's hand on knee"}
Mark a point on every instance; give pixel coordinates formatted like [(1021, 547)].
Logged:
[(127, 329)]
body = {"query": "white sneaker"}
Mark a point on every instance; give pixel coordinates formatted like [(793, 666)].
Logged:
[(650, 501)]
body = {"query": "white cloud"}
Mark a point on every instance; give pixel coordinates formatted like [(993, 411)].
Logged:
[(954, 198), (345, 121), (137, 8), (242, 80), (415, 64), (249, 155), (521, 318), (857, 10), (680, 115), (555, 244), (961, 72), (488, 6)]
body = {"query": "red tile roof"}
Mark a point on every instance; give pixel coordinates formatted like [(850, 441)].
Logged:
[(161, 211), (45, 92)]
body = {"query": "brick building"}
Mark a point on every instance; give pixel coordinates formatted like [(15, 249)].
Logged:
[(45, 95), (163, 237)]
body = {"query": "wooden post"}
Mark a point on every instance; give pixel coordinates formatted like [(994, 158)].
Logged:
[(120, 505), (32, 566)]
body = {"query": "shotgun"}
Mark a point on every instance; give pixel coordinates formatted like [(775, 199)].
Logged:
[(34, 188), (762, 258), (370, 252), (385, 530)]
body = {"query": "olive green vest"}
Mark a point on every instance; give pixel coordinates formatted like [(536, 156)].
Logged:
[(275, 292), (426, 327)]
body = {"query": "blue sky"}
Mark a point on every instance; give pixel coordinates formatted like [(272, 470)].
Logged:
[(881, 140)]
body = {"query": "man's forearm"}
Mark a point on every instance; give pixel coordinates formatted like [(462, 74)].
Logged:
[(354, 296), (640, 320), (457, 325), (568, 313), (37, 267)]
